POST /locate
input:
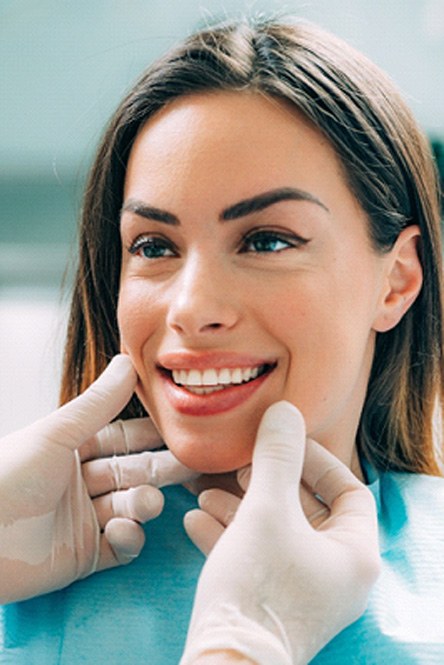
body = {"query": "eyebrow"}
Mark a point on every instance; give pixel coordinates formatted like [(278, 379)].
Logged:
[(262, 201), (236, 211), (150, 212)]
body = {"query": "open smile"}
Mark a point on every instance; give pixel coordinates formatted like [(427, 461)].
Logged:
[(208, 381), (213, 389)]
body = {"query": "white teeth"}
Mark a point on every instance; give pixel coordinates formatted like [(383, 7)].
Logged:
[(194, 378), (209, 377), (201, 390), (224, 376), (236, 375), (246, 374), (213, 378)]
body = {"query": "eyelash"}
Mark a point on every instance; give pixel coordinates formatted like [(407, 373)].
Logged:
[(156, 243), (291, 240)]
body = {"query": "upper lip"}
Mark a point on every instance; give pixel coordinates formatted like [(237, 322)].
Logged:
[(212, 359)]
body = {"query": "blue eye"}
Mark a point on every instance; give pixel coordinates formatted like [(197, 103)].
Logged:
[(267, 242), (152, 247)]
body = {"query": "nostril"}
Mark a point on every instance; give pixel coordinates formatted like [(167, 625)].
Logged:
[(213, 326)]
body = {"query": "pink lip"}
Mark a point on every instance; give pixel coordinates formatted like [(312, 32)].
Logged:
[(189, 404), (213, 359)]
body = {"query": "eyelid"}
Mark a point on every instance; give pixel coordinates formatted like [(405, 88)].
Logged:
[(287, 236), (142, 239)]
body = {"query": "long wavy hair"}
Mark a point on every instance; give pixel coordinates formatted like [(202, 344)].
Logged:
[(388, 164)]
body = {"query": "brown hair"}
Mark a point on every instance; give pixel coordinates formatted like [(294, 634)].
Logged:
[(388, 164)]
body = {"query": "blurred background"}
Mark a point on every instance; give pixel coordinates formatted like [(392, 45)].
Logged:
[(64, 65)]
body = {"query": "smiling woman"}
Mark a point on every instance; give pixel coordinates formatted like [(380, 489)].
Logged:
[(261, 223), (211, 132), (246, 276)]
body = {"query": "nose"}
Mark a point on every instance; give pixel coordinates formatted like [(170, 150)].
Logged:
[(202, 300)]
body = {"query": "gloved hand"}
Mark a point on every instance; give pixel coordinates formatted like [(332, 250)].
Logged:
[(55, 525), (275, 589), (219, 504)]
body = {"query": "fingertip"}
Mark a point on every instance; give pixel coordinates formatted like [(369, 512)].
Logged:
[(191, 521), (204, 499), (121, 364), (154, 501), (81, 418), (280, 446), (203, 530), (190, 518), (126, 539), (121, 358), (283, 417), (141, 504)]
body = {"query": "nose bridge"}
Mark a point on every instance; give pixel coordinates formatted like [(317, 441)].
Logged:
[(202, 300)]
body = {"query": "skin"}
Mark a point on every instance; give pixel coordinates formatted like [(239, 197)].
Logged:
[(308, 297)]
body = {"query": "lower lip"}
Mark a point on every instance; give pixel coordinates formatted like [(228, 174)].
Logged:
[(220, 401)]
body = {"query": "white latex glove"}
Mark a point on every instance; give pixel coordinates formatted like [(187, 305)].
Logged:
[(55, 526), (219, 506), (274, 589)]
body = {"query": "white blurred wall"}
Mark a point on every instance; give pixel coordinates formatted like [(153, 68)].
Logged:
[(31, 333)]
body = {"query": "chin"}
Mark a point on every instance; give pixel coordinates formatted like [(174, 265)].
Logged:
[(218, 444), (210, 456)]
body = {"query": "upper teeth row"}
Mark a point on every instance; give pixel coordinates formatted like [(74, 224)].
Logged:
[(214, 377)]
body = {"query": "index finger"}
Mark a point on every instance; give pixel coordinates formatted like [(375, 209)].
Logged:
[(148, 468), (122, 437), (349, 500)]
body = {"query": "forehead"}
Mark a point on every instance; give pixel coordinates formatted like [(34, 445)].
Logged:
[(227, 146), (230, 123)]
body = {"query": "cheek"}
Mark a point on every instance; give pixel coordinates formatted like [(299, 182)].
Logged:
[(327, 331), (134, 319)]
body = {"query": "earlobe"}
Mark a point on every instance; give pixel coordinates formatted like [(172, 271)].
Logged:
[(403, 280)]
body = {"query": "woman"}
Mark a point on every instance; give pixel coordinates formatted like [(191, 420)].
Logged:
[(261, 223), (387, 169)]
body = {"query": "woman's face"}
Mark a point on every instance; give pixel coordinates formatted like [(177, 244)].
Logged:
[(248, 277)]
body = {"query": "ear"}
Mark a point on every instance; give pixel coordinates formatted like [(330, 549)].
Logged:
[(402, 282)]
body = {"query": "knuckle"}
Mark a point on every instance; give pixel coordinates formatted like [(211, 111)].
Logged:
[(150, 467)]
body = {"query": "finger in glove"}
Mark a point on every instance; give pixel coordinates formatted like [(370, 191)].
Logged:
[(141, 504), (203, 530), (122, 437), (219, 504), (149, 468), (121, 543), (80, 419)]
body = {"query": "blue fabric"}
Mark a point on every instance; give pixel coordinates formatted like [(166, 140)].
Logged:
[(404, 622), (139, 614)]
